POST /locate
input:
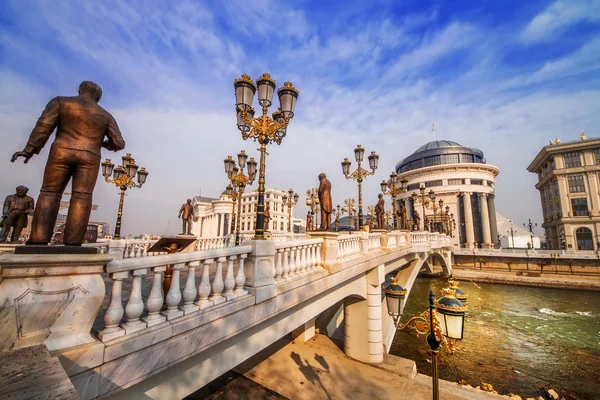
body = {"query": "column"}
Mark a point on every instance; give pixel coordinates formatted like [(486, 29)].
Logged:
[(470, 239), (485, 221), (493, 224), (219, 224), (409, 210)]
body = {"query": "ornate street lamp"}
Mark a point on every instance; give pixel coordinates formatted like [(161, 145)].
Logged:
[(394, 192), (122, 177), (530, 225), (290, 202), (444, 322), (359, 174), (312, 201), (239, 180), (350, 209), (424, 199), (263, 128)]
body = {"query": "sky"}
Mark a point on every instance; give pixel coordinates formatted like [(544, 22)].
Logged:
[(502, 76)]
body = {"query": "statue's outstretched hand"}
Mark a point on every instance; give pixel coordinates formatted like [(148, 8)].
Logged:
[(23, 154)]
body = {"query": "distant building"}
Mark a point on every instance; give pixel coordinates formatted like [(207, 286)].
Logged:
[(214, 215), (461, 177), (568, 181)]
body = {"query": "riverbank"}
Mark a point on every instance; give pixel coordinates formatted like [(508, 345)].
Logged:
[(318, 369), (540, 280)]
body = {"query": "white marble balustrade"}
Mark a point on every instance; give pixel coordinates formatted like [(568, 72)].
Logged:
[(296, 258), (101, 247), (348, 246), (374, 241), (211, 243), (392, 239), (221, 278), (419, 237)]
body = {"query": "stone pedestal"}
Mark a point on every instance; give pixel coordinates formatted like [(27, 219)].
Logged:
[(384, 236), (329, 249), (49, 299), (260, 270)]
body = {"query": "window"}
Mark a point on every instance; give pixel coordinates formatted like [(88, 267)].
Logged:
[(552, 163), (476, 182), (555, 189), (433, 183), (449, 158), (478, 159), (413, 186), (597, 155), (244, 208), (572, 159), (584, 239), (466, 158), (281, 228), (416, 164), (434, 160), (576, 184), (580, 208), (456, 181)]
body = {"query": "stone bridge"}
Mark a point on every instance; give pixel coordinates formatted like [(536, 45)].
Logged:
[(118, 334)]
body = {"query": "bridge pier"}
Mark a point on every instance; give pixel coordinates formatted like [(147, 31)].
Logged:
[(364, 341)]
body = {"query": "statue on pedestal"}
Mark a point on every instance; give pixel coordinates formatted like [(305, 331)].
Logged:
[(308, 221), (325, 202), (417, 219), (14, 213), (403, 222), (186, 213), (380, 212), (83, 128)]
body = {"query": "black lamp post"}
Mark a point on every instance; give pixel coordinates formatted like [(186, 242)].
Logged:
[(530, 225), (444, 320)]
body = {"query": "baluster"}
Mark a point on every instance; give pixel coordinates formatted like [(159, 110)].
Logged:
[(189, 292), (279, 266), (218, 283), (156, 299), (286, 265), (311, 258), (240, 278), (319, 250), (298, 261), (114, 312), (174, 295), (131, 251), (292, 262), (304, 259), (204, 287), (230, 280), (135, 305)]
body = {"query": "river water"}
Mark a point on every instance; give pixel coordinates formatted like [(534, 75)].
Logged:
[(519, 339)]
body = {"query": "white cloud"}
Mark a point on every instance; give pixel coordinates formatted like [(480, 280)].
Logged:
[(558, 16)]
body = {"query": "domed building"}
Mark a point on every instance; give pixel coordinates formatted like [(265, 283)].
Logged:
[(458, 176)]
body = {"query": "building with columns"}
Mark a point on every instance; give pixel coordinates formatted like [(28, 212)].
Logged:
[(214, 215), (569, 185), (460, 177)]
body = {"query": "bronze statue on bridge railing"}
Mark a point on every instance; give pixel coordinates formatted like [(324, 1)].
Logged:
[(325, 201), (83, 128), (17, 207)]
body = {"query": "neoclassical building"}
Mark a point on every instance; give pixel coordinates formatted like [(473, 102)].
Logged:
[(459, 176), (214, 215), (569, 185)]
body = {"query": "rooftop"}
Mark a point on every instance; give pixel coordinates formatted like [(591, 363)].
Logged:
[(439, 152)]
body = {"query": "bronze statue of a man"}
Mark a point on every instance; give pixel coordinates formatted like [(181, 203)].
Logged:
[(417, 220), (83, 128), (186, 213), (325, 202), (14, 213), (308, 221), (403, 222), (380, 212)]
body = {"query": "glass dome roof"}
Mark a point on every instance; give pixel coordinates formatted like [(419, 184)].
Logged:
[(437, 144), (440, 152)]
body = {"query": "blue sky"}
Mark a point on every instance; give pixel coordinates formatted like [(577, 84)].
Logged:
[(502, 76)]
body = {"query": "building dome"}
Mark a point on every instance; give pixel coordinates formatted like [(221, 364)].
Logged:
[(440, 152)]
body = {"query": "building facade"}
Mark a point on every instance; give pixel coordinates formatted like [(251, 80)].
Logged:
[(214, 215), (460, 177), (569, 185)]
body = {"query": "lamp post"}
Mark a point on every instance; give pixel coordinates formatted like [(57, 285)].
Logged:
[(394, 192), (444, 321), (530, 225), (237, 177), (312, 201), (424, 199), (337, 214), (512, 237), (350, 209), (263, 128), (290, 201), (122, 177), (360, 174)]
